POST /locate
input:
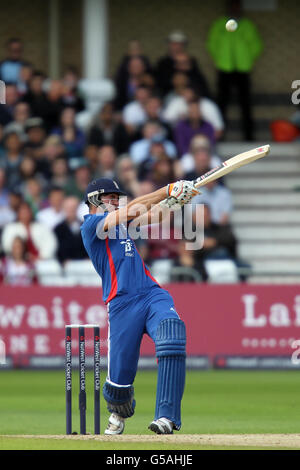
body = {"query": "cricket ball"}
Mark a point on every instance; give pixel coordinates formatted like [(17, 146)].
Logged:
[(231, 25)]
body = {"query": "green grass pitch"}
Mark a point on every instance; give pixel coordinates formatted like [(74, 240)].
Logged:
[(215, 402)]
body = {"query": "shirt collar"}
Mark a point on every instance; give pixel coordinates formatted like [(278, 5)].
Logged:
[(87, 216)]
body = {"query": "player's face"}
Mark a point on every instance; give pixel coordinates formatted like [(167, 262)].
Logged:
[(111, 201)]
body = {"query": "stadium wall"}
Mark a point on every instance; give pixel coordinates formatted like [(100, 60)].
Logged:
[(228, 326), (151, 22)]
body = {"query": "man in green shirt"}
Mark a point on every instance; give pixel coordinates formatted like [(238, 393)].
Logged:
[(234, 54)]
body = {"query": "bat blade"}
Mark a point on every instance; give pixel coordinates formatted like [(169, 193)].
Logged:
[(232, 164)]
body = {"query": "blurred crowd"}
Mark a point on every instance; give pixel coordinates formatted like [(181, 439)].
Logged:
[(162, 125)]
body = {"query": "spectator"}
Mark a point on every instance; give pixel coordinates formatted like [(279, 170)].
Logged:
[(59, 172), (3, 190), (20, 116), (1, 141), (177, 42), (179, 82), (219, 241), (15, 201), (108, 131), (148, 80), (128, 82), (78, 182), (55, 104), (9, 212), (234, 54), (52, 148), (33, 195), (36, 135), (153, 108), (27, 170), (70, 246), (7, 215), (16, 270), (134, 50), (162, 171), (72, 137), (70, 95), (91, 156), (10, 67), (52, 215), (7, 109), (187, 259), (177, 109), (146, 187), (140, 150), (219, 200), (36, 97), (11, 158), (126, 175), (187, 128), (26, 73), (156, 152), (40, 241), (134, 113), (186, 64), (161, 247), (107, 161), (199, 159), (176, 60)]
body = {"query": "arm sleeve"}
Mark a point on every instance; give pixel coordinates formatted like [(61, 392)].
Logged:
[(98, 224)]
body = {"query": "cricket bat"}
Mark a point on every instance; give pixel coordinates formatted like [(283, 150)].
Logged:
[(232, 164)]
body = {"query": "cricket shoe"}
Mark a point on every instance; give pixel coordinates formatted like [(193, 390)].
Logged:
[(116, 425), (162, 426)]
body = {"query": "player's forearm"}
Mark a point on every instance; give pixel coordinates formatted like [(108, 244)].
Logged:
[(148, 200), (155, 215), (135, 208)]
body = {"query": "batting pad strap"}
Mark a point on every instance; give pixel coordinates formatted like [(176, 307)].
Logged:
[(120, 400), (170, 338)]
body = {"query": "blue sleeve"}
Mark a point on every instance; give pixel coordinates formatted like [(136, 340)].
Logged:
[(99, 223), (92, 224)]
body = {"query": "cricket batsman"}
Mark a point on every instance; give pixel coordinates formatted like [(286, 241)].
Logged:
[(135, 302)]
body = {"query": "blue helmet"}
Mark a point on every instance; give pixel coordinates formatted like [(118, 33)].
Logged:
[(100, 186)]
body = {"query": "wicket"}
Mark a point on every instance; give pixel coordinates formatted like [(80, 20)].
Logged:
[(82, 382)]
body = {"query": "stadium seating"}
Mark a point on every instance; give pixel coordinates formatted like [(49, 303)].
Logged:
[(81, 273), (161, 270), (49, 272), (221, 271), (95, 93), (266, 217)]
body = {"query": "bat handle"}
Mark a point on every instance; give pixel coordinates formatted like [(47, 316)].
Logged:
[(196, 182)]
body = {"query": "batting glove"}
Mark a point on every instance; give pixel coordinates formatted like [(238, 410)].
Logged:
[(171, 203), (182, 191)]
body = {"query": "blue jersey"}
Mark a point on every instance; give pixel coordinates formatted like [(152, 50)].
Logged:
[(116, 259)]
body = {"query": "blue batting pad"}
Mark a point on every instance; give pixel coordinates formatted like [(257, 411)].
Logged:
[(170, 350)]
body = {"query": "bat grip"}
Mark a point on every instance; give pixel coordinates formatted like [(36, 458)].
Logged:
[(196, 182)]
